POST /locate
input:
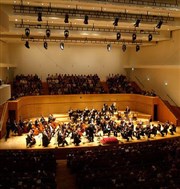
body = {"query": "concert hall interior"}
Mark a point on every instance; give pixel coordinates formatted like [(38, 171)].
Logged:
[(89, 94)]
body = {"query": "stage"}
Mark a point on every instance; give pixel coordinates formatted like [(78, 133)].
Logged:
[(19, 142)]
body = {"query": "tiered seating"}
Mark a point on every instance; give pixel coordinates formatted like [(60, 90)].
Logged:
[(26, 85), (27, 169), (142, 165), (74, 84), (119, 84)]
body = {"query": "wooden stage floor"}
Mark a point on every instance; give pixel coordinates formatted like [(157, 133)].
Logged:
[(19, 142)]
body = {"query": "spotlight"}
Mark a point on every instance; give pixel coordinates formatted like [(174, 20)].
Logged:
[(86, 19), (27, 44), (133, 37), (137, 48), (66, 34), (45, 45), (27, 32), (118, 36), (66, 19), (115, 23), (39, 17), (137, 23), (48, 33), (124, 47), (62, 46), (150, 37), (108, 47), (159, 24)]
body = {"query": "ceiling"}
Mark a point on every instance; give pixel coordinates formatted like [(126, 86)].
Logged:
[(18, 15)]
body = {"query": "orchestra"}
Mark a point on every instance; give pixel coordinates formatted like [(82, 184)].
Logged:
[(86, 124)]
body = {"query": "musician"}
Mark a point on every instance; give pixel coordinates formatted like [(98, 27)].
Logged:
[(62, 138), (50, 118), (42, 119), (8, 129), (127, 110), (30, 140), (76, 138), (45, 138)]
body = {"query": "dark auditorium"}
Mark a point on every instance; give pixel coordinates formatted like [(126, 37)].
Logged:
[(89, 94)]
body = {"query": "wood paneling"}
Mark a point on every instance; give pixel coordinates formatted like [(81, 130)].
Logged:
[(33, 106)]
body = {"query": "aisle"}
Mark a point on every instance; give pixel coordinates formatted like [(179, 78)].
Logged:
[(64, 178)]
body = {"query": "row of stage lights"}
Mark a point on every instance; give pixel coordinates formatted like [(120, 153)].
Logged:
[(66, 34), (109, 46), (86, 18), (115, 23)]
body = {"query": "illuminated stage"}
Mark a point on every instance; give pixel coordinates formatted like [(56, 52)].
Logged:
[(19, 142)]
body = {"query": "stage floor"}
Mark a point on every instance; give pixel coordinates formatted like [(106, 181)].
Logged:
[(19, 142)]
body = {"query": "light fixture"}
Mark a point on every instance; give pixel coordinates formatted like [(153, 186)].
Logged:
[(150, 37), (137, 48), (66, 33), (86, 19), (133, 37), (118, 35), (108, 47), (115, 23), (62, 46), (45, 45), (159, 24), (39, 17), (124, 47), (66, 19), (137, 23), (27, 32), (48, 33), (27, 44)]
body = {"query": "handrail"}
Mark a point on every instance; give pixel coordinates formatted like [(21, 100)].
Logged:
[(3, 115), (139, 81), (172, 100)]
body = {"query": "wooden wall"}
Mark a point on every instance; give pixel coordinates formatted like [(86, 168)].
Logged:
[(35, 106)]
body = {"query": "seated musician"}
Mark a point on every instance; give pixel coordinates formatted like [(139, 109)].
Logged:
[(30, 140), (50, 118)]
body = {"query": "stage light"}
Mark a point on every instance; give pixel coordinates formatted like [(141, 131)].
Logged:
[(39, 17), (159, 24), (27, 44), (150, 37), (137, 23), (86, 19), (27, 32), (118, 36), (133, 37), (48, 33), (62, 46), (108, 47), (124, 47), (66, 19), (137, 48), (66, 34), (45, 45), (115, 23)]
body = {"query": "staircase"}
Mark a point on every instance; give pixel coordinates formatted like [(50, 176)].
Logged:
[(175, 110), (105, 86), (45, 90), (136, 87)]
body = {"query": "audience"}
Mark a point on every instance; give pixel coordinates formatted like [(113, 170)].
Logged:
[(139, 165), (26, 85), (74, 84), (27, 169)]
